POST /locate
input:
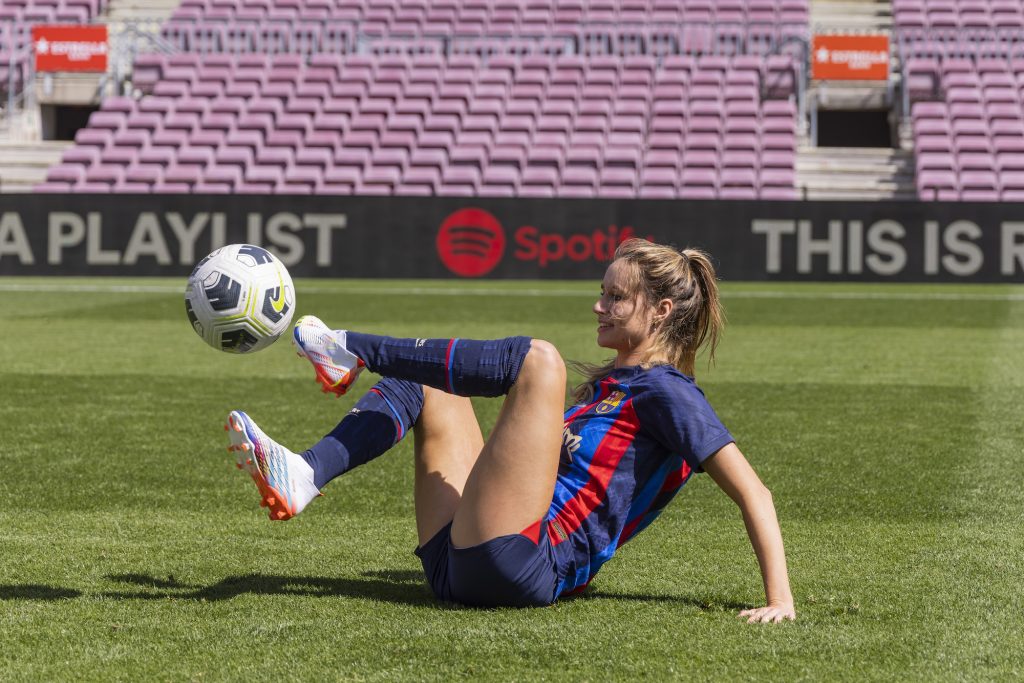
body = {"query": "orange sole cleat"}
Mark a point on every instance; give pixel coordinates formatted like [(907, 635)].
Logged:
[(339, 387), (336, 368), (283, 479)]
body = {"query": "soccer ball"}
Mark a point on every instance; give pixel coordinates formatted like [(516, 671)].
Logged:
[(240, 298)]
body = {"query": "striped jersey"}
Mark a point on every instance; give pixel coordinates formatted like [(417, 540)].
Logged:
[(624, 456)]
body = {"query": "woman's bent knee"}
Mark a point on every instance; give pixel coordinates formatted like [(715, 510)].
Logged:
[(543, 361)]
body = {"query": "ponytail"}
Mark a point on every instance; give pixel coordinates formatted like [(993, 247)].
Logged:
[(686, 277)]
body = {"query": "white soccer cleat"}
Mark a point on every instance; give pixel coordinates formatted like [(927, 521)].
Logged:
[(336, 367), (284, 479)]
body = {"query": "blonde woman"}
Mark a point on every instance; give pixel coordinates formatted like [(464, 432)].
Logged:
[(532, 513)]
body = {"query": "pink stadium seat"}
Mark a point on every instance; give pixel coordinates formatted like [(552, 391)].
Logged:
[(662, 158), (105, 174), (540, 177), (938, 185), (66, 173)]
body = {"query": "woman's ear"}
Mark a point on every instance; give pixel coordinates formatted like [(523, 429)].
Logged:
[(663, 310)]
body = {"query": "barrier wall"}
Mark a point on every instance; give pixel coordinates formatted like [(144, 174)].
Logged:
[(511, 238)]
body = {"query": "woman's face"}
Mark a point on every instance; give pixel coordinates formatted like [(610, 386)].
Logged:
[(623, 319)]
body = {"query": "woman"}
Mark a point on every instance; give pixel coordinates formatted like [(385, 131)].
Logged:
[(532, 513)]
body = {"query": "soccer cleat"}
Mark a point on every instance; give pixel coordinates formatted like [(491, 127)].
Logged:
[(336, 367), (284, 479)]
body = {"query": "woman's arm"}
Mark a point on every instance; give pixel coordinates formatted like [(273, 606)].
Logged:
[(734, 475)]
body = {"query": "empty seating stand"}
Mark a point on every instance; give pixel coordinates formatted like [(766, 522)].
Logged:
[(343, 97), (964, 80), (508, 126)]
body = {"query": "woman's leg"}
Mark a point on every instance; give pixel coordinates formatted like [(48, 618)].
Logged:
[(513, 480), (377, 422), (448, 443), (510, 482)]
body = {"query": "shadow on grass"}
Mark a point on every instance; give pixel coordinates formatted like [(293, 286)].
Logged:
[(395, 586), (398, 587), (706, 605), (30, 591)]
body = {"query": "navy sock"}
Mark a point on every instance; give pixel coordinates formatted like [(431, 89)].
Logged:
[(379, 420), (464, 367)]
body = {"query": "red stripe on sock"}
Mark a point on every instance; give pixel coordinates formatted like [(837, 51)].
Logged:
[(448, 366)]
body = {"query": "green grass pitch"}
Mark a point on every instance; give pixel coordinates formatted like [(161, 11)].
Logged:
[(886, 420)]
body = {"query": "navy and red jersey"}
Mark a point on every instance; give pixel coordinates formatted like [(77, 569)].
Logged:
[(625, 455)]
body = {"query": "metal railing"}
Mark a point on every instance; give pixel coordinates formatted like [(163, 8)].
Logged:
[(968, 43), (130, 38), (584, 38), (19, 37)]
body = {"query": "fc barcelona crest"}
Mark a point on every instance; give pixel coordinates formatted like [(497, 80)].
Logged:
[(610, 403)]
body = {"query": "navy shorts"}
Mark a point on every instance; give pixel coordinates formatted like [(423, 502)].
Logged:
[(508, 571)]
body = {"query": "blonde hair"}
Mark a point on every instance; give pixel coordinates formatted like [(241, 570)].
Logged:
[(687, 278)]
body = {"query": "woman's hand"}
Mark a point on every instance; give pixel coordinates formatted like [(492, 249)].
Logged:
[(773, 614)]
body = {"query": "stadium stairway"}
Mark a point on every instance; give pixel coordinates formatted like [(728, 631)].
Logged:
[(855, 15), (24, 164), (840, 173), (139, 10), (845, 173)]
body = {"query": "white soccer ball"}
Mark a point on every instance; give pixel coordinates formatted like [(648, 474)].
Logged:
[(240, 298)]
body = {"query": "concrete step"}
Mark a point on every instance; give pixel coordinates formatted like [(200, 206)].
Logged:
[(21, 153), (837, 22), (841, 16), (851, 8), (864, 173), (851, 162), (859, 194), (17, 188), (20, 128), (851, 181), (144, 4), (886, 154), (21, 186), (837, 182), (854, 166), (24, 164), (139, 10), (137, 14)]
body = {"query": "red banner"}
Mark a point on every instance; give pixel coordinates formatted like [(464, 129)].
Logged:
[(851, 58), (70, 48)]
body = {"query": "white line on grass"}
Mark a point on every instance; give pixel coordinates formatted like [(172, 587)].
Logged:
[(511, 292)]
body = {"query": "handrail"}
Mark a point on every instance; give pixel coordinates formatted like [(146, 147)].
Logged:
[(589, 39), (962, 43), (974, 43), (18, 57)]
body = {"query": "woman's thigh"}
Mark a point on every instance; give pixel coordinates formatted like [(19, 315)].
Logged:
[(512, 481), (448, 443)]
